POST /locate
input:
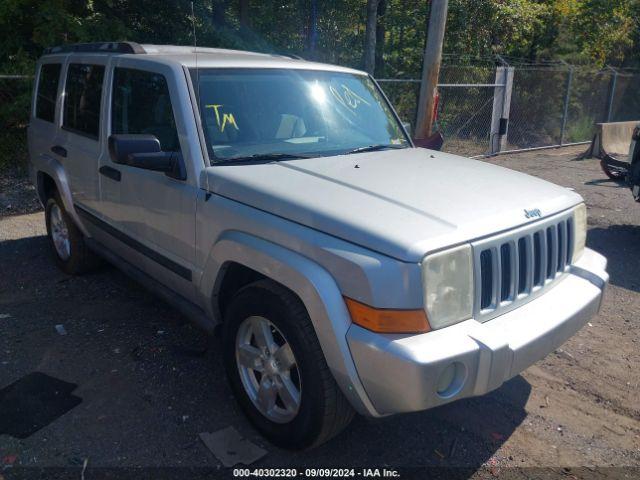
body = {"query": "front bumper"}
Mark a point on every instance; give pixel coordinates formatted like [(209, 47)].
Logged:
[(400, 373)]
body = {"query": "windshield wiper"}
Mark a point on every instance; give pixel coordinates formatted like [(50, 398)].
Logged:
[(373, 148), (266, 157)]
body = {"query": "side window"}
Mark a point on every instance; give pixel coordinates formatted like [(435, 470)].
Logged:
[(83, 92), (141, 105), (47, 91)]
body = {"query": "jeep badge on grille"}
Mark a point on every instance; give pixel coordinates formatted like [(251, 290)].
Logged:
[(535, 213)]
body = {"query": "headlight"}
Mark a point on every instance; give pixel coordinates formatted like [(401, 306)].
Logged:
[(448, 286), (580, 228)]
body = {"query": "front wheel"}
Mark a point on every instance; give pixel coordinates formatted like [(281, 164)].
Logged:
[(277, 370)]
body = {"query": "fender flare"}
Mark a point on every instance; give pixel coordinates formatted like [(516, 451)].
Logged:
[(52, 167), (314, 286)]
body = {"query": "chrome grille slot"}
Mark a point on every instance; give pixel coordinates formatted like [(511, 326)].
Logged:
[(552, 250), (522, 265), (514, 267), (486, 273), (537, 259), (562, 245), (505, 262)]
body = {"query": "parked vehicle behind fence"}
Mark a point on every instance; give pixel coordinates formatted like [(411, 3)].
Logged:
[(282, 201)]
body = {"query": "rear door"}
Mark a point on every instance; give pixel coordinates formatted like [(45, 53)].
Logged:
[(43, 124), (82, 143), (151, 214)]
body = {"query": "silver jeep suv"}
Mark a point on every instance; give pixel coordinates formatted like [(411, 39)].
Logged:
[(283, 201)]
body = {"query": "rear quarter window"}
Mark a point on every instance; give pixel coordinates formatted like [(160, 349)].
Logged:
[(47, 91), (83, 93)]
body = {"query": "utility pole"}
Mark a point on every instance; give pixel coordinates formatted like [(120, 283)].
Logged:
[(370, 36), (431, 68)]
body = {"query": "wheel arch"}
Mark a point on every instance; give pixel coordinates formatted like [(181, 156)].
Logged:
[(45, 187), (232, 276), (310, 282), (50, 174)]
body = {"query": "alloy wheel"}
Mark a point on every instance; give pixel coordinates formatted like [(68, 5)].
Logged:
[(268, 369)]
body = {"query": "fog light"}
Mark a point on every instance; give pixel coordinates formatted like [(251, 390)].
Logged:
[(451, 380)]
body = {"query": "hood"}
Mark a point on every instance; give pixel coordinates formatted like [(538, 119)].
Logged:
[(402, 203)]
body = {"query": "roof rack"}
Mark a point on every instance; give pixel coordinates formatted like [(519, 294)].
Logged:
[(290, 55), (98, 47)]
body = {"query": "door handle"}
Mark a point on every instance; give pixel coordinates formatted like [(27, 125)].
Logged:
[(110, 172), (58, 150)]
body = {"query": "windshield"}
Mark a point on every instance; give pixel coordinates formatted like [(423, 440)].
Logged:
[(278, 113)]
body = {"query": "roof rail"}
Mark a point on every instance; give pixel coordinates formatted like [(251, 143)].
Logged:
[(290, 55), (98, 47)]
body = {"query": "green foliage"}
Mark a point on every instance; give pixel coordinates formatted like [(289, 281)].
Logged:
[(481, 27), (606, 31)]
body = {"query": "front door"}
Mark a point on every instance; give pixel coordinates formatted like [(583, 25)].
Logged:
[(154, 214)]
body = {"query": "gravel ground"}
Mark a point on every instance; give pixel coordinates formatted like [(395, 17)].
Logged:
[(150, 382)]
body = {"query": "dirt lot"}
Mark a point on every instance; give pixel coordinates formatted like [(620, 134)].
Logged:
[(149, 382)]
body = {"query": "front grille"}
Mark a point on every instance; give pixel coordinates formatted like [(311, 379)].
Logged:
[(514, 266)]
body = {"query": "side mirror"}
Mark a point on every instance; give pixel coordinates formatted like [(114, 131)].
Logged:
[(144, 151), (434, 142)]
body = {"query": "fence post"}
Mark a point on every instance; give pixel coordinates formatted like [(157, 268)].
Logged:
[(565, 111), (501, 109), (612, 92)]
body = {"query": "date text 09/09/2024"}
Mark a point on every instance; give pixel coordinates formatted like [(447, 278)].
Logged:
[(316, 472)]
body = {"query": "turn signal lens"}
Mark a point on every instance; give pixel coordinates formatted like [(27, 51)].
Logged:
[(387, 321)]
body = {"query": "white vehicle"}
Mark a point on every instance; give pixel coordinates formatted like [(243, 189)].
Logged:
[(284, 201)]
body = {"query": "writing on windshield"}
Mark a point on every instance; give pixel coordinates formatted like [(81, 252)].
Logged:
[(286, 113)]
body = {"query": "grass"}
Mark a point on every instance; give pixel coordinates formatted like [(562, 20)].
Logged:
[(580, 130)]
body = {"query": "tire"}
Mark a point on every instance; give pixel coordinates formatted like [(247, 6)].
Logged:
[(633, 177), (322, 411), (614, 173), (74, 257)]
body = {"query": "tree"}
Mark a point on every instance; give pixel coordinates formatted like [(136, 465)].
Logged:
[(312, 30), (219, 12), (380, 38), (369, 55), (604, 30), (243, 14)]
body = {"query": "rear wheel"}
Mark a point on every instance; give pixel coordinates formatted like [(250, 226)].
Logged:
[(67, 242), (277, 370)]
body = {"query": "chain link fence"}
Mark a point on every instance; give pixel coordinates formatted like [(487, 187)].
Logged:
[(464, 105), (626, 100), (537, 106), (548, 105)]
